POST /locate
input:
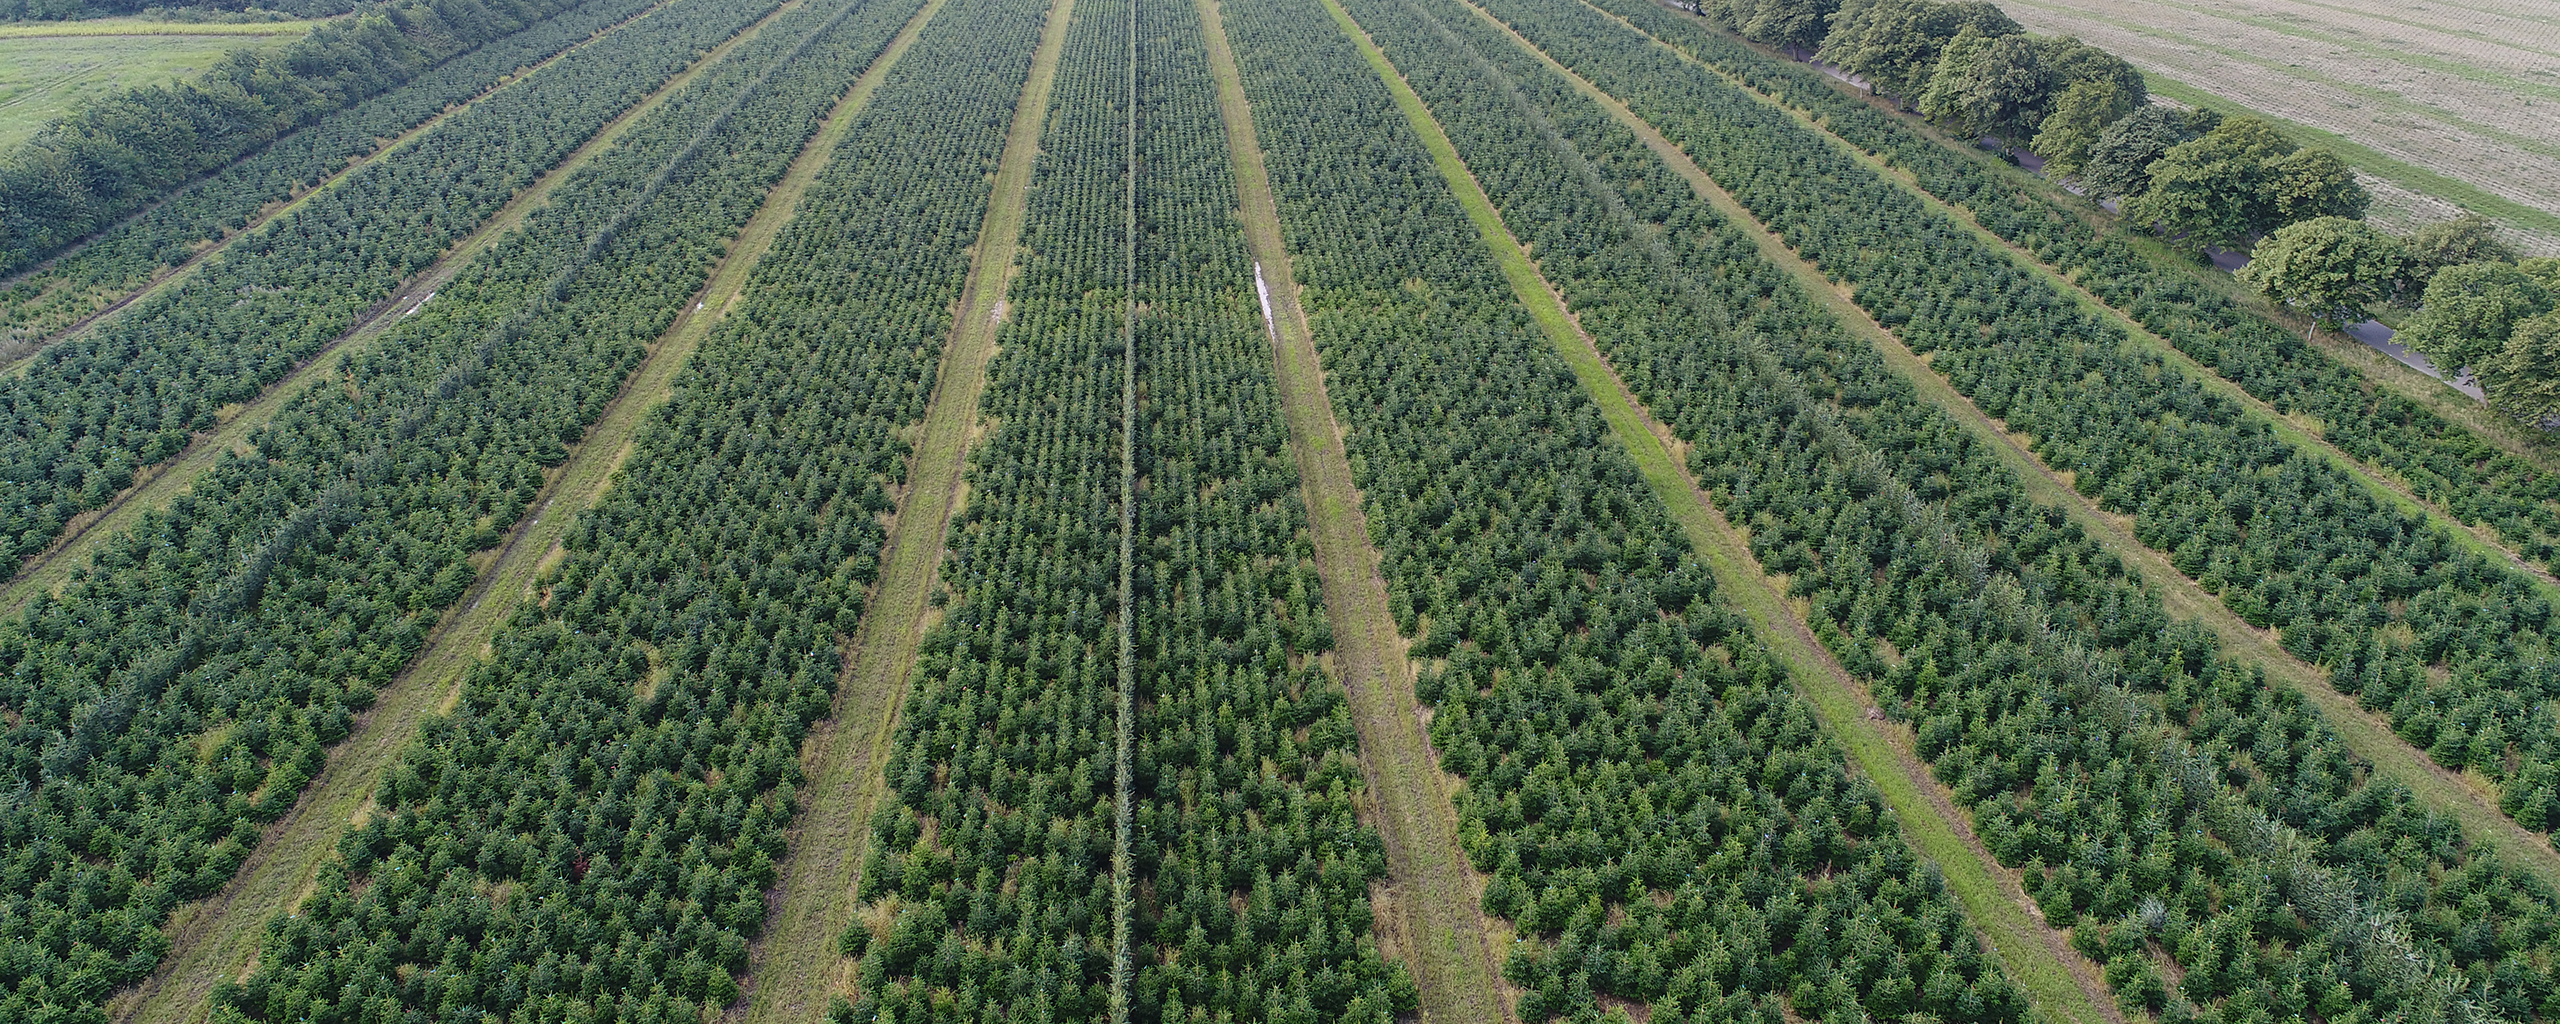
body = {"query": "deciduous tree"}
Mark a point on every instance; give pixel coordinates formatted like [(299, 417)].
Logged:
[(2524, 377), (2472, 310), (2119, 162), (2330, 267)]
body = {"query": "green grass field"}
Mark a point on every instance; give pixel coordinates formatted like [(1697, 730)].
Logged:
[(49, 69)]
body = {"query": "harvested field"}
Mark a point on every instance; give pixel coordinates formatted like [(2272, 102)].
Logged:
[(2467, 92), (47, 74)]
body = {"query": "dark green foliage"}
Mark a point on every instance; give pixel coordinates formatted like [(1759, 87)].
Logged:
[(2104, 751), (2469, 238), (2119, 164), (116, 154), (2241, 180), (88, 412), (1659, 815), (178, 694), (1253, 866), (590, 833), (1896, 44), (2477, 634), (122, 258)]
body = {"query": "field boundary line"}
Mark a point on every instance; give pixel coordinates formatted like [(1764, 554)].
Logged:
[(218, 936), (69, 29), (16, 356), (2365, 732), (2435, 394), (847, 752), (1993, 901), (2411, 105), (1448, 946), (2380, 481), (154, 487)]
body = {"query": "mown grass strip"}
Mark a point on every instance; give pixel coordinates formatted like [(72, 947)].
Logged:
[(1124, 901), (215, 938), (153, 27), (2034, 955), (2468, 800), (16, 357), (796, 967), (1445, 939), (155, 487)]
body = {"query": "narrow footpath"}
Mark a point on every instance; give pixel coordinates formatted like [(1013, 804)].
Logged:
[(155, 487), (216, 938), (1431, 917), (794, 967), (2367, 733), (2059, 982)]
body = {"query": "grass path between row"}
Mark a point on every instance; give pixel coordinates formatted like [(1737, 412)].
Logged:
[(2470, 800), (2060, 984), (215, 938), (2384, 484), (155, 487), (1430, 917), (1124, 897), (16, 356), (794, 966)]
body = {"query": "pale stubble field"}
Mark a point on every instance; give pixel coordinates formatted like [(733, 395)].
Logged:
[(2443, 105)]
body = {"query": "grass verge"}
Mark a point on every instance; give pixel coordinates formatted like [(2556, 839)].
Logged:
[(2058, 984), (795, 967), (47, 76), (156, 486), (17, 354), (1442, 936)]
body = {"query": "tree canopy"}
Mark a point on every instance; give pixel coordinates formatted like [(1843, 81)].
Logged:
[(2471, 310), (1896, 44), (2331, 267), (2241, 180)]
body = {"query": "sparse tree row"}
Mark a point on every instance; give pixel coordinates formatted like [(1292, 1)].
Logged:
[(2154, 793), (2454, 646), (89, 412), (989, 882), (2196, 177), (123, 258), (1658, 813), (114, 155), (181, 691), (2443, 462)]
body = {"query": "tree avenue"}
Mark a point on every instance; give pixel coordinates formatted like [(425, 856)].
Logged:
[(1120, 777)]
